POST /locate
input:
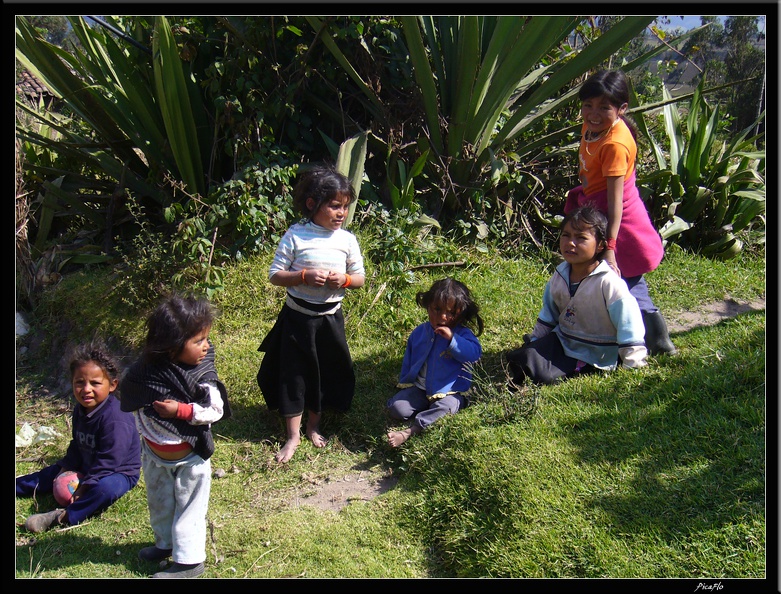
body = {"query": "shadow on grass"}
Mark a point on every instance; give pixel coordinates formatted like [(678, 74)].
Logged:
[(692, 434)]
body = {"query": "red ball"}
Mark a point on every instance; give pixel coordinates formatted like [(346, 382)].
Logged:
[(64, 486)]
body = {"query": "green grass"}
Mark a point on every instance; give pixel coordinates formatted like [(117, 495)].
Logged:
[(654, 473)]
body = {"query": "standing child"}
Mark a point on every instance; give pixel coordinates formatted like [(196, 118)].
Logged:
[(607, 156), (175, 395), (307, 363), (588, 318), (436, 372), (104, 447)]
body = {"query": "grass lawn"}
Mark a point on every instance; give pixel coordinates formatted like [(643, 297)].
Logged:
[(653, 473)]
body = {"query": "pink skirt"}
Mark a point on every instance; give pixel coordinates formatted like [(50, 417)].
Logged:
[(639, 246)]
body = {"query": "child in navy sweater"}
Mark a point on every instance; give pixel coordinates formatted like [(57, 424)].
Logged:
[(104, 450)]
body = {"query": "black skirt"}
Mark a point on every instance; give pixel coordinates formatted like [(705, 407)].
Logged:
[(307, 364)]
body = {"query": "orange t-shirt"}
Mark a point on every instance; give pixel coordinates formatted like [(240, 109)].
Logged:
[(613, 155)]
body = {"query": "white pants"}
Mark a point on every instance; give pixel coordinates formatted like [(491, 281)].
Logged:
[(177, 493)]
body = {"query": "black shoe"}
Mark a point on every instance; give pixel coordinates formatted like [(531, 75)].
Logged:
[(179, 570), (657, 338), (154, 554)]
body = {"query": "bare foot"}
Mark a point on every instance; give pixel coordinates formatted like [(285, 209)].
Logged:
[(313, 429), (316, 437), (396, 438), (287, 450)]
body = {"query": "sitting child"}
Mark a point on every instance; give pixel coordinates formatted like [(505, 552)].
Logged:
[(589, 318), (436, 369), (105, 449)]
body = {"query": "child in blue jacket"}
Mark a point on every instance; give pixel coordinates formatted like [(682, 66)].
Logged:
[(436, 372)]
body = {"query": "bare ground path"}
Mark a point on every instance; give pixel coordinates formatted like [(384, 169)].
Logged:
[(710, 314)]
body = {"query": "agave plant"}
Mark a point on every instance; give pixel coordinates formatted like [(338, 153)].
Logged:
[(140, 116), (711, 190), (484, 83)]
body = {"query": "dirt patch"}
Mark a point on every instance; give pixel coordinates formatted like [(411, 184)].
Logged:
[(710, 314), (334, 494)]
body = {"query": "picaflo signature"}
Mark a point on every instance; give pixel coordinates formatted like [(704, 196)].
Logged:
[(709, 587)]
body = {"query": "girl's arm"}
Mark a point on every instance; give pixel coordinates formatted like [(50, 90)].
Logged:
[(193, 413), (464, 346), (293, 278), (630, 331), (316, 278), (615, 210), (211, 414)]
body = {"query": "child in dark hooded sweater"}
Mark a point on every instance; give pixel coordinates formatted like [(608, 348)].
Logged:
[(175, 395)]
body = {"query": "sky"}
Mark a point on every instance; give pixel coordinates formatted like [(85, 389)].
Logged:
[(688, 22)]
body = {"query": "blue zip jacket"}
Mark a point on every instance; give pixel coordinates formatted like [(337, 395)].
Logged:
[(448, 366)]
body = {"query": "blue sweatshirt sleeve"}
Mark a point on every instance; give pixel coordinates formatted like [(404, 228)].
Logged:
[(465, 347), (628, 320), (419, 344), (549, 314)]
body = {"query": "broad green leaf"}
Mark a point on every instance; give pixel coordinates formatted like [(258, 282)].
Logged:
[(590, 57), (674, 227), (425, 79), (350, 162), (323, 33), (49, 207), (175, 106)]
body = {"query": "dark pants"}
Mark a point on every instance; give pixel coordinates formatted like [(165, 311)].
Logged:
[(544, 361), (412, 403), (95, 500), (639, 290)]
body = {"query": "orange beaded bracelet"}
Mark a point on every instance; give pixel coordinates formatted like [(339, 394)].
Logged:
[(303, 278), (348, 280)]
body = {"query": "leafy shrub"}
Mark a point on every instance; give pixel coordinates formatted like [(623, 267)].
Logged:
[(245, 215), (398, 241), (257, 205), (711, 191), (147, 265)]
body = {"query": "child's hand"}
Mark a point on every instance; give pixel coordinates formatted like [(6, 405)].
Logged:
[(336, 279), (317, 278), (167, 408), (333, 280), (444, 331), (80, 490)]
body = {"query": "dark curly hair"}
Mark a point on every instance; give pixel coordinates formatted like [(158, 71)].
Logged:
[(95, 352), (173, 322), (449, 290), (320, 183)]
